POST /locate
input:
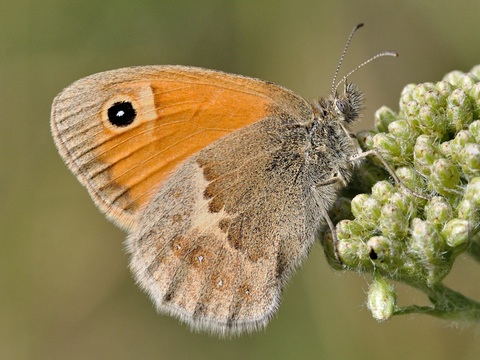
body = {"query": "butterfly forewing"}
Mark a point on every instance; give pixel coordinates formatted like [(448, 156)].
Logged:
[(177, 112)]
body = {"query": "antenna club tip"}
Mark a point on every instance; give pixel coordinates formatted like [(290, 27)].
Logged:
[(388, 53), (359, 26)]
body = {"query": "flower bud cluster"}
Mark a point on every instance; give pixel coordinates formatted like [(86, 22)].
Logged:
[(433, 146)]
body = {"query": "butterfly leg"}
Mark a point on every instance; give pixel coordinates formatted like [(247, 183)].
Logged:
[(333, 230), (376, 153), (315, 190)]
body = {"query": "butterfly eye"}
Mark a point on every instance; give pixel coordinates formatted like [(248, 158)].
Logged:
[(342, 106), (121, 114)]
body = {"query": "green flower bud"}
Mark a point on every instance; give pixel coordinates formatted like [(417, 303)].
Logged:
[(462, 138), (444, 89), (467, 82), (431, 123), (384, 250), (383, 117), (349, 229), (475, 71), (393, 222), (444, 177), (410, 178), (406, 137), (430, 248), (365, 140), (453, 77), (433, 99), (456, 232), (472, 191), (459, 110), (445, 149), (382, 191), (438, 211), (425, 154), (352, 250), (426, 242), (381, 299), (475, 96), (474, 129), (400, 128), (411, 111), (404, 203), (468, 210), (389, 147), (341, 209), (469, 159), (406, 96), (366, 210), (420, 91)]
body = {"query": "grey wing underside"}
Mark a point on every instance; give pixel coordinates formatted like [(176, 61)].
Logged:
[(225, 232)]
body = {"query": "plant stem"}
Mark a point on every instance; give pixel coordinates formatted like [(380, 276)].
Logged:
[(447, 304), (474, 248)]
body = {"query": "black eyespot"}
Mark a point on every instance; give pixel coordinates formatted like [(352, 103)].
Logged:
[(121, 114)]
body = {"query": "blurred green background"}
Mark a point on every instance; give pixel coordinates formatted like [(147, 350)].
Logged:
[(65, 290)]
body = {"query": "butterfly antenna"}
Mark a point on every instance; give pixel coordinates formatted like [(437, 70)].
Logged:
[(382, 54), (334, 88)]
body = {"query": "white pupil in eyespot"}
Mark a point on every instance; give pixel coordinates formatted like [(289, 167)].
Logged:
[(120, 113)]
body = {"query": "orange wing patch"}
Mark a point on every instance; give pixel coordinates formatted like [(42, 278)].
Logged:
[(187, 118), (179, 111)]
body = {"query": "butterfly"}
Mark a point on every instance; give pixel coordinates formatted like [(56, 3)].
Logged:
[(220, 180)]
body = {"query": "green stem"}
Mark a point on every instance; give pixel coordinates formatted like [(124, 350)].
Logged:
[(474, 249), (447, 304), (414, 309)]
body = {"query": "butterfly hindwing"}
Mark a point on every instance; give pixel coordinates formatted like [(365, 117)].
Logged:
[(222, 237)]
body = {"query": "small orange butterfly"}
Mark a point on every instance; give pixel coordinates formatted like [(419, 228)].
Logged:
[(220, 180)]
